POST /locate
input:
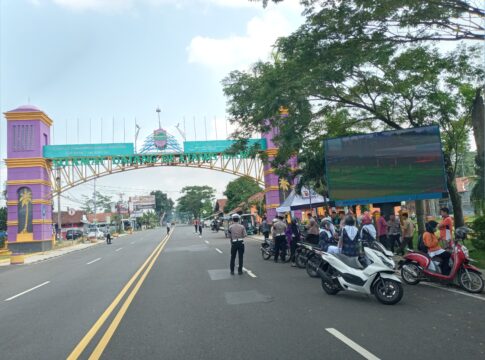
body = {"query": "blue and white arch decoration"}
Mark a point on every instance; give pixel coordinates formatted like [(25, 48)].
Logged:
[(150, 147)]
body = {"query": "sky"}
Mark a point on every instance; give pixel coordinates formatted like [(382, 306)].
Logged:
[(92, 64)]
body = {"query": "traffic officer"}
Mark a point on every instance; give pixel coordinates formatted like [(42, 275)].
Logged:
[(237, 234), (279, 228)]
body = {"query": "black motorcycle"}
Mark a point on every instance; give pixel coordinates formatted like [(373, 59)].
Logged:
[(303, 252), (267, 250)]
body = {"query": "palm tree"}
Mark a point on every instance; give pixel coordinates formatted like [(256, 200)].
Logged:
[(25, 200)]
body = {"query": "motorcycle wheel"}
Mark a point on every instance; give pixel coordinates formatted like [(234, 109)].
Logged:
[(265, 254), (329, 287), (387, 291), (300, 261), (311, 268), (470, 281), (410, 273)]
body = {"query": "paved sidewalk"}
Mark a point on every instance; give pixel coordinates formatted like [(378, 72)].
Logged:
[(46, 255)]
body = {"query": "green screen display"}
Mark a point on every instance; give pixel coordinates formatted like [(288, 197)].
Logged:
[(388, 166)]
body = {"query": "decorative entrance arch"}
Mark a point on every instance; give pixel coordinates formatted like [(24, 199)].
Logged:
[(38, 171)]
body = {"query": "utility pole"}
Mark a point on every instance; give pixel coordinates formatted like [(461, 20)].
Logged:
[(94, 195), (59, 224)]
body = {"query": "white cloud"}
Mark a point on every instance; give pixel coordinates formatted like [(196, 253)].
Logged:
[(96, 5), (239, 51), (123, 5)]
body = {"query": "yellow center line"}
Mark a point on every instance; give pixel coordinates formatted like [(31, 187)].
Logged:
[(98, 351), (78, 350)]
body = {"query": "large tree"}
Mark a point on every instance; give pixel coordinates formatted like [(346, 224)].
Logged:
[(400, 20), (195, 199), (163, 204), (321, 69), (103, 203), (240, 190), (3, 219)]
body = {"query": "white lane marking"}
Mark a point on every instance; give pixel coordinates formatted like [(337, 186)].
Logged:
[(119, 249), (132, 242), (206, 242), (93, 261), (26, 291), (219, 251), (249, 272), (455, 291), (366, 354)]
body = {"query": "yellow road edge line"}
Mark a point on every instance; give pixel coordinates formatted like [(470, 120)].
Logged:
[(98, 351), (81, 346)]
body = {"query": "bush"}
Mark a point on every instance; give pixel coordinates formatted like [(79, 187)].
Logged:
[(478, 239)]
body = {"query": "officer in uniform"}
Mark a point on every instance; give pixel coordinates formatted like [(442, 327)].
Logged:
[(279, 236), (237, 234)]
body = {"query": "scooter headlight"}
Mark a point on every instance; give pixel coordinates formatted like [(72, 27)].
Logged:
[(386, 262)]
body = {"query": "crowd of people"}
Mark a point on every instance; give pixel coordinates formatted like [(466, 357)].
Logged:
[(344, 233)]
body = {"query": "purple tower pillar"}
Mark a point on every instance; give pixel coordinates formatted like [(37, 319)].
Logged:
[(29, 191), (271, 180)]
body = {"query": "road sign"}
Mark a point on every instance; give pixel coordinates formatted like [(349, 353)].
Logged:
[(71, 211)]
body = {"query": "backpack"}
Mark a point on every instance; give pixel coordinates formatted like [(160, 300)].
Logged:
[(421, 246)]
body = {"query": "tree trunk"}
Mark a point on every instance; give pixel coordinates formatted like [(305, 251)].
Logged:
[(478, 123), (454, 195), (420, 218)]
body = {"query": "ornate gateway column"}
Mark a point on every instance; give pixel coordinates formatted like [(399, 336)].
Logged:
[(29, 189)]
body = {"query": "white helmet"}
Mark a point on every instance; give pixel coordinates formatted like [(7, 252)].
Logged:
[(236, 216)]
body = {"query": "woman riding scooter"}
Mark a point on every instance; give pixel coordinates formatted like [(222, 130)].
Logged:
[(434, 248)]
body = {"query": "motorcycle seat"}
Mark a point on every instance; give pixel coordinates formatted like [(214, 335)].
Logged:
[(351, 261)]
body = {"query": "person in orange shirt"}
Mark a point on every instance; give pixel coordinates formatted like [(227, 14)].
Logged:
[(446, 227), (434, 248)]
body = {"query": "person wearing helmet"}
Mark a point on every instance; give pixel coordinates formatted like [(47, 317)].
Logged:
[(237, 233), (434, 249)]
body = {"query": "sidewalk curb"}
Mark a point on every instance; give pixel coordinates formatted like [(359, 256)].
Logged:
[(7, 261)]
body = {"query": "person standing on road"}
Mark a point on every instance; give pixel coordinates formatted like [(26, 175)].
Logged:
[(394, 231), (407, 231), (295, 238), (279, 229), (200, 228), (446, 227), (108, 237), (237, 234), (382, 230), (265, 228), (196, 225), (168, 227)]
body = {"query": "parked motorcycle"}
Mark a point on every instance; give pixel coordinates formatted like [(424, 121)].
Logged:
[(267, 250), (340, 272), (303, 252), (418, 266)]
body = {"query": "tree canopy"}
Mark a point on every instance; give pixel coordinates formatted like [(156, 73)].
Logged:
[(362, 65), (196, 199), (163, 204), (240, 190), (103, 203)]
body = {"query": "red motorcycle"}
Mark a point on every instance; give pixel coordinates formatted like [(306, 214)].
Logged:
[(418, 266)]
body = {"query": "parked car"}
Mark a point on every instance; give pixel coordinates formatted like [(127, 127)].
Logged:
[(95, 234), (73, 234)]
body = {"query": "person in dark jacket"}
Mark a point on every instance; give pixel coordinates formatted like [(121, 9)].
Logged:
[(349, 238), (295, 237)]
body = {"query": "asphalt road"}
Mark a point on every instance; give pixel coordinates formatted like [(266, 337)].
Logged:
[(185, 305)]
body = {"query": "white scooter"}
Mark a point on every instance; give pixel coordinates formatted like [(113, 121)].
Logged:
[(340, 272)]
